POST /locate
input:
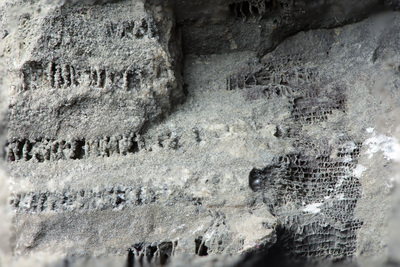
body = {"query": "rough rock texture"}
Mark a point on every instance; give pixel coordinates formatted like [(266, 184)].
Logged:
[(124, 70), (222, 26), (140, 132)]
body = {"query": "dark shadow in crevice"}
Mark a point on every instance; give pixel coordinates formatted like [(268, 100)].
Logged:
[(277, 255)]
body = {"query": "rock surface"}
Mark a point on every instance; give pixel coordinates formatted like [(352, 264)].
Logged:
[(223, 26), (74, 76), (199, 133)]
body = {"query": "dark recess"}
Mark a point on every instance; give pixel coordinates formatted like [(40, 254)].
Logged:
[(275, 256), (79, 152), (200, 248)]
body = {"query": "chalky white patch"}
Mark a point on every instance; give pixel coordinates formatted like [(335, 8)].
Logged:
[(389, 146), (313, 208), (357, 172)]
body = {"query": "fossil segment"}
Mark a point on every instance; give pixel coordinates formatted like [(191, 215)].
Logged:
[(315, 196)]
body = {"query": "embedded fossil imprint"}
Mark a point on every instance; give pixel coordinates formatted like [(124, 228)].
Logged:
[(324, 194), (289, 77), (209, 130)]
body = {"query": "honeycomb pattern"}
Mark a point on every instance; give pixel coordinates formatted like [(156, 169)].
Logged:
[(314, 194)]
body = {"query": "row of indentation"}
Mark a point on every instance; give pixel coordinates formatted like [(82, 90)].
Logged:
[(312, 110), (37, 75), (73, 200), (274, 82), (44, 149), (132, 29)]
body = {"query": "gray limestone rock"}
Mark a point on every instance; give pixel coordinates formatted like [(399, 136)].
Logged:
[(201, 133)]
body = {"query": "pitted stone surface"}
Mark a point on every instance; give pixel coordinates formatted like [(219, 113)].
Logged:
[(156, 132)]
